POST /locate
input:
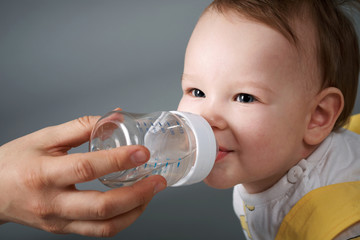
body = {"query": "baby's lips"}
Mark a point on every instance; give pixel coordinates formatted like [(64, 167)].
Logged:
[(223, 149)]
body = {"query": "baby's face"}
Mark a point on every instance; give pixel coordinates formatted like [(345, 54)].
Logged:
[(247, 81)]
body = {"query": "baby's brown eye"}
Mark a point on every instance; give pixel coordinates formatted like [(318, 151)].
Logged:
[(245, 98), (197, 93)]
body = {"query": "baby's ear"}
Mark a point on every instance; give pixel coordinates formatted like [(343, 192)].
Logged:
[(328, 105)]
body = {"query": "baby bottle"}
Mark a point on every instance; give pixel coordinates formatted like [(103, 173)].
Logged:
[(182, 145)]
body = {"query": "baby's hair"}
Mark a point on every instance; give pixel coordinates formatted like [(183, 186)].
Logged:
[(336, 40)]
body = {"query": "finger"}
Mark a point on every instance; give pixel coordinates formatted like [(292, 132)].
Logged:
[(105, 228), (94, 205), (82, 167), (71, 134)]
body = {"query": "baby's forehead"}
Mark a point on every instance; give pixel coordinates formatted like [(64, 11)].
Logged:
[(303, 42)]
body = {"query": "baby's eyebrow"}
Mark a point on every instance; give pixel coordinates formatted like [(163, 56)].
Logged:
[(258, 85)]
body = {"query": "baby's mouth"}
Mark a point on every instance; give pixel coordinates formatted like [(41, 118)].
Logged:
[(222, 153)]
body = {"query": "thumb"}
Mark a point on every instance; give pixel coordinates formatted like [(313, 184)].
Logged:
[(69, 134)]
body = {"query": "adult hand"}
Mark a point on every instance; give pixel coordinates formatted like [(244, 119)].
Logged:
[(38, 179)]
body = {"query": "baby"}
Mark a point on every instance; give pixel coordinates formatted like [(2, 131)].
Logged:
[(277, 80)]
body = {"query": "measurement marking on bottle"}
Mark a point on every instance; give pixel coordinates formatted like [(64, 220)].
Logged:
[(167, 164), (155, 165), (168, 124), (145, 165), (178, 164), (160, 124)]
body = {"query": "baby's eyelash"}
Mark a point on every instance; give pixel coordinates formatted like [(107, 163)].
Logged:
[(195, 92), (245, 98)]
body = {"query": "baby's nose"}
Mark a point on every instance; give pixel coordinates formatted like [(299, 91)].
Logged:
[(215, 117)]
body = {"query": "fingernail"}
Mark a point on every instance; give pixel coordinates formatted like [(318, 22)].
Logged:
[(139, 157), (159, 187)]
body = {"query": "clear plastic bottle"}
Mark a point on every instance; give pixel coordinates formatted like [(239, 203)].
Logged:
[(182, 145)]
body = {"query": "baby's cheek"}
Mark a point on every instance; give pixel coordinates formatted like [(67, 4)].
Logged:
[(184, 105), (259, 148)]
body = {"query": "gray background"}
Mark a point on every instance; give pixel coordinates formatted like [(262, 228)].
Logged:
[(60, 60)]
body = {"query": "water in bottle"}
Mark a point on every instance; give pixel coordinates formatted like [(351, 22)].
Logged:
[(182, 145)]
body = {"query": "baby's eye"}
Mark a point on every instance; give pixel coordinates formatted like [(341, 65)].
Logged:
[(197, 93), (245, 98)]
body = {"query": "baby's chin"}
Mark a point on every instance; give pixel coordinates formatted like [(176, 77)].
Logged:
[(217, 183)]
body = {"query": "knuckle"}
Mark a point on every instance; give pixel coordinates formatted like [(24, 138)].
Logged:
[(103, 209), (113, 160), (47, 217), (84, 121), (42, 210), (34, 180), (108, 229), (53, 227), (84, 170)]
